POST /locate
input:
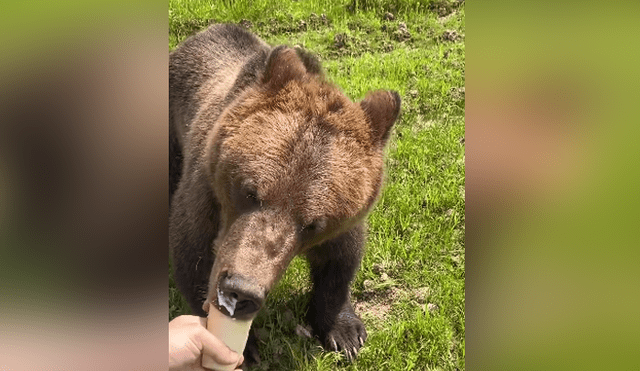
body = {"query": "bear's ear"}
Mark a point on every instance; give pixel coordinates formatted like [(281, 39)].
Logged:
[(381, 108), (283, 65), (310, 61)]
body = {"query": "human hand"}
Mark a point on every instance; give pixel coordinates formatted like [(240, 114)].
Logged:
[(189, 339)]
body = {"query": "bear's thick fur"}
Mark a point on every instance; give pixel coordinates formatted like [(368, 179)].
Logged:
[(268, 161)]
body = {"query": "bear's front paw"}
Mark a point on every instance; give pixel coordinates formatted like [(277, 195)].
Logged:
[(346, 334)]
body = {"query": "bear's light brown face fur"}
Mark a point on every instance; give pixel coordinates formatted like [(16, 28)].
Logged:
[(293, 164)]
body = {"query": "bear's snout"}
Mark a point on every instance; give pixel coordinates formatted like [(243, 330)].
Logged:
[(239, 296)]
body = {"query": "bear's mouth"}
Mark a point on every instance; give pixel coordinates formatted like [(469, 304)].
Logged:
[(227, 302), (238, 296)]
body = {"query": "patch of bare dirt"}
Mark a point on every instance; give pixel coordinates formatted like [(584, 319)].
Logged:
[(458, 93), (316, 21), (445, 7), (432, 307), (402, 34), (246, 24), (377, 311), (378, 296), (340, 41), (458, 260), (450, 35), (375, 302), (422, 294), (289, 24), (447, 17)]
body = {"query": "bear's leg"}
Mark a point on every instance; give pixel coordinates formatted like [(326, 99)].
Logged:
[(331, 315), (175, 162), (193, 225)]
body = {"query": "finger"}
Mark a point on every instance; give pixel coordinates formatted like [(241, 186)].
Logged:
[(203, 321), (214, 347), (185, 319), (238, 368)]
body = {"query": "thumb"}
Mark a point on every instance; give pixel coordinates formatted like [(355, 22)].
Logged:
[(214, 347)]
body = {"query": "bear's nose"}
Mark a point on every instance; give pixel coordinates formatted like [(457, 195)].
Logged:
[(239, 296)]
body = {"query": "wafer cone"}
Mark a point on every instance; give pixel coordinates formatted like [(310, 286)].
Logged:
[(232, 332)]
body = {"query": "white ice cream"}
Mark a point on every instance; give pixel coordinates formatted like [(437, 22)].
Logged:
[(228, 303)]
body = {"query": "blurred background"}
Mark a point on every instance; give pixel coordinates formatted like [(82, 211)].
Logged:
[(552, 179), (83, 185)]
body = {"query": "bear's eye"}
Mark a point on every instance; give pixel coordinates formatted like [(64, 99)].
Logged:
[(308, 231), (252, 198), (313, 228), (309, 228)]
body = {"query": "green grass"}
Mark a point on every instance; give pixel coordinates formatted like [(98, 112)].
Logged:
[(410, 289)]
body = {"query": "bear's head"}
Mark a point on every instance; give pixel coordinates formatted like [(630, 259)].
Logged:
[(292, 163)]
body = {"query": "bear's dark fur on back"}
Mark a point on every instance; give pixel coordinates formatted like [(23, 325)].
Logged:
[(187, 72), (268, 160)]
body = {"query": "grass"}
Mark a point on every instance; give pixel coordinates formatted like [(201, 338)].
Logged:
[(410, 289)]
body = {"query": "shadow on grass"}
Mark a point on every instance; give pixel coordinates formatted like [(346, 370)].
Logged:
[(282, 332)]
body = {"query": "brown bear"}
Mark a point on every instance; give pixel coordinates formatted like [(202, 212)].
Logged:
[(268, 160)]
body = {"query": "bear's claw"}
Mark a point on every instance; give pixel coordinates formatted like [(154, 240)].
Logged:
[(346, 335), (334, 346)]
